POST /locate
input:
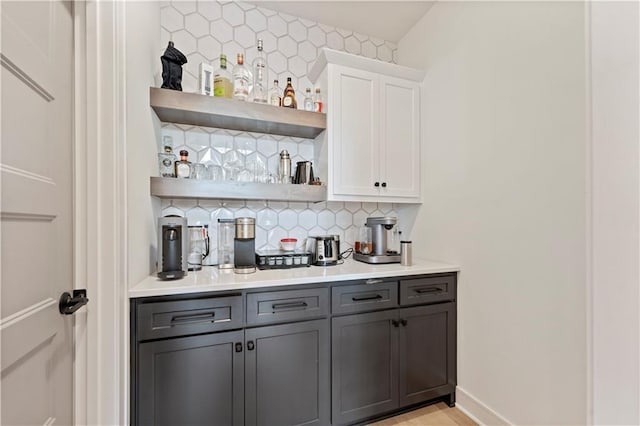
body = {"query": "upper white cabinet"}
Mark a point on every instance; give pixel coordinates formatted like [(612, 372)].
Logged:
[(371, 149)]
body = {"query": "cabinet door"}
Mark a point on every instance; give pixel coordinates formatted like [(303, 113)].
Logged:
[(427, 352), (287, 374), (355, 147), (192, 380), (364, 365), (400, 138)]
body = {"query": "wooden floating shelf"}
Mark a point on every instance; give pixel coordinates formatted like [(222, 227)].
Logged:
[(206, 189), (173, 106)]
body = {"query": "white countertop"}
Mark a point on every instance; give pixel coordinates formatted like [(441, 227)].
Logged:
[(210, 278)]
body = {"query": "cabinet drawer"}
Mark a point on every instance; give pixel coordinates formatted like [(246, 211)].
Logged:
[(185, 317), (427, 290), (376, 295), (289, 305)]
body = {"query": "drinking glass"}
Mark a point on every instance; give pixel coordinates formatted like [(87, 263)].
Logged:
[(215, 172), (199, 171), (364, 242)]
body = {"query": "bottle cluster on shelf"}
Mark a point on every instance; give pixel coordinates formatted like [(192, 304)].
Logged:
[(251, 83)]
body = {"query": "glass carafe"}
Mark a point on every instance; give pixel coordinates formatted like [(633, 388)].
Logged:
[(226, 235)]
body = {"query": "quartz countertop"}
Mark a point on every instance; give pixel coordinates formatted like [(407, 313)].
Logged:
[(210, 278)]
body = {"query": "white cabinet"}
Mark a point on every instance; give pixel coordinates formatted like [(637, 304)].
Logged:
[(371, 149)]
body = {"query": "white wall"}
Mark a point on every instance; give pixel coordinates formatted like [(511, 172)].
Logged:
[(504, 166), (615, 201)]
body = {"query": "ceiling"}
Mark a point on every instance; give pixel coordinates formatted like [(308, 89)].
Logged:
[(388, 20)]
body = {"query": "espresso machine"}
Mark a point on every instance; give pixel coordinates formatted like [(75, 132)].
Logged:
[(244, 246), (380, 253), (173, 247)]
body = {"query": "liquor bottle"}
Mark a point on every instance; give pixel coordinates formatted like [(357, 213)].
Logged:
[(167, 158), (222, 86), (274, 95), (308, 100), (241, 80), (259, 89), (317, 101), (289, 96), (183, 166)]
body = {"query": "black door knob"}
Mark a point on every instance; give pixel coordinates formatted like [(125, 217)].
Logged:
[(68, 305), (377, 184), (384, 184)]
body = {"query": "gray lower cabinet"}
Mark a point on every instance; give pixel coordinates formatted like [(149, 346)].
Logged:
[(194, 380), (287, 374)]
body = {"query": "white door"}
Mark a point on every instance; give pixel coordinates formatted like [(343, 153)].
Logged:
[(355, 139), (400, 134), (36, 211)]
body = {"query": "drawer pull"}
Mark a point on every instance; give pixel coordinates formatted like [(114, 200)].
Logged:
[(428, 290), (373, 281), (238, 347), (364, 298), (288, 305), (193, 319)]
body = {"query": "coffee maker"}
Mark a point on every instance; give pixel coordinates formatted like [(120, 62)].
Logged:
[(173, 247), (244, 246), (380, 254)]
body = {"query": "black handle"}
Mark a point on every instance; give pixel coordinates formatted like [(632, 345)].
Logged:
[(377, 184), (193, 318), (288, 305), (238, 347), (395, 323), (68, 305), (403, 322), (428, 290), (361, 299), (384, 184), (250, 345)]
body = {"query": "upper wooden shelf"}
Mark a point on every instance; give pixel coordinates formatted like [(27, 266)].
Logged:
[(173, 106)]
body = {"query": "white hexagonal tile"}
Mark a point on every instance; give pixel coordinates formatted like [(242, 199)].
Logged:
[(369, 49), (384, 53), (314, 232), (184, 7), (376, 41), (210, 156), (386, 208), (335, 41), (184, 42), (211, 10), (210, 48), (334, 230), (305, 150), (245, 212), (197, 216), (317, 36), (344, 219), (232, 48), (171, 19), (209, 205), (335, 206), (298, 233), (184, 205), (256, 20), (369, 207), (277, 25), (221, 31), (176, 135), (352, 45), (278, 205), (307, 51), (318, 207), (297, 31), (290, 146), (360, 218), (189, 83), (245, 36), (297, 207), (196, 25), (197, 139), (352, 207), (288, 18), (267, 12), (273, 163), (232, 13), (172, 211), (307, 219), (349, 237), (221, 141), (193, 63), (267, 146), (287, 46), (326, 219), (245, 144), (261, 239), (221, 213), (287, 219), (278, 63), (298, 67), (344, 32), (165, 37)]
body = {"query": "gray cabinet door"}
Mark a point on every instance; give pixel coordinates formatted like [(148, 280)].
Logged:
[(192, 380), (427, 352), (287, 374), (364, 365)]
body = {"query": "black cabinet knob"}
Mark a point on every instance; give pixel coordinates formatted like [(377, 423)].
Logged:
[(403, 322), (377, 184), (384, 184), (395, 323), (238, 347), (250, 345)]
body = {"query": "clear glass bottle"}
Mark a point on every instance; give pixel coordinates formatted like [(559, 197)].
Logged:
[(167, 158), (289, 96), (308, 100), (274, 95), (241, 79), (317, 101), (260, 81), (183, 166), (222, 85)]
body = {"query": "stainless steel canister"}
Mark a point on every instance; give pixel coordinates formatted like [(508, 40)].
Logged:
[(284, 169), (406, 255), (245, 228)]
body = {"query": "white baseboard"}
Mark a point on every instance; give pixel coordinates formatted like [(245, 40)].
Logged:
[(477, 410)]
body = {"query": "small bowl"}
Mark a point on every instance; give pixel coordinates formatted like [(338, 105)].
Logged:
[(288, 244)]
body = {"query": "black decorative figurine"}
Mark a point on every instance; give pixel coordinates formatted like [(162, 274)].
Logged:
[(172, 62)]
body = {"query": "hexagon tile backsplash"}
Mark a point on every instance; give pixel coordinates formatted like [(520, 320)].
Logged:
[(204, 29)]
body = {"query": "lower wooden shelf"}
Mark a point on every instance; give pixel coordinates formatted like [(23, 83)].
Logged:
[(207, 189)]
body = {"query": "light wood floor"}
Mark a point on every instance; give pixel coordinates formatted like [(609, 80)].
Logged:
[(436, 414)]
